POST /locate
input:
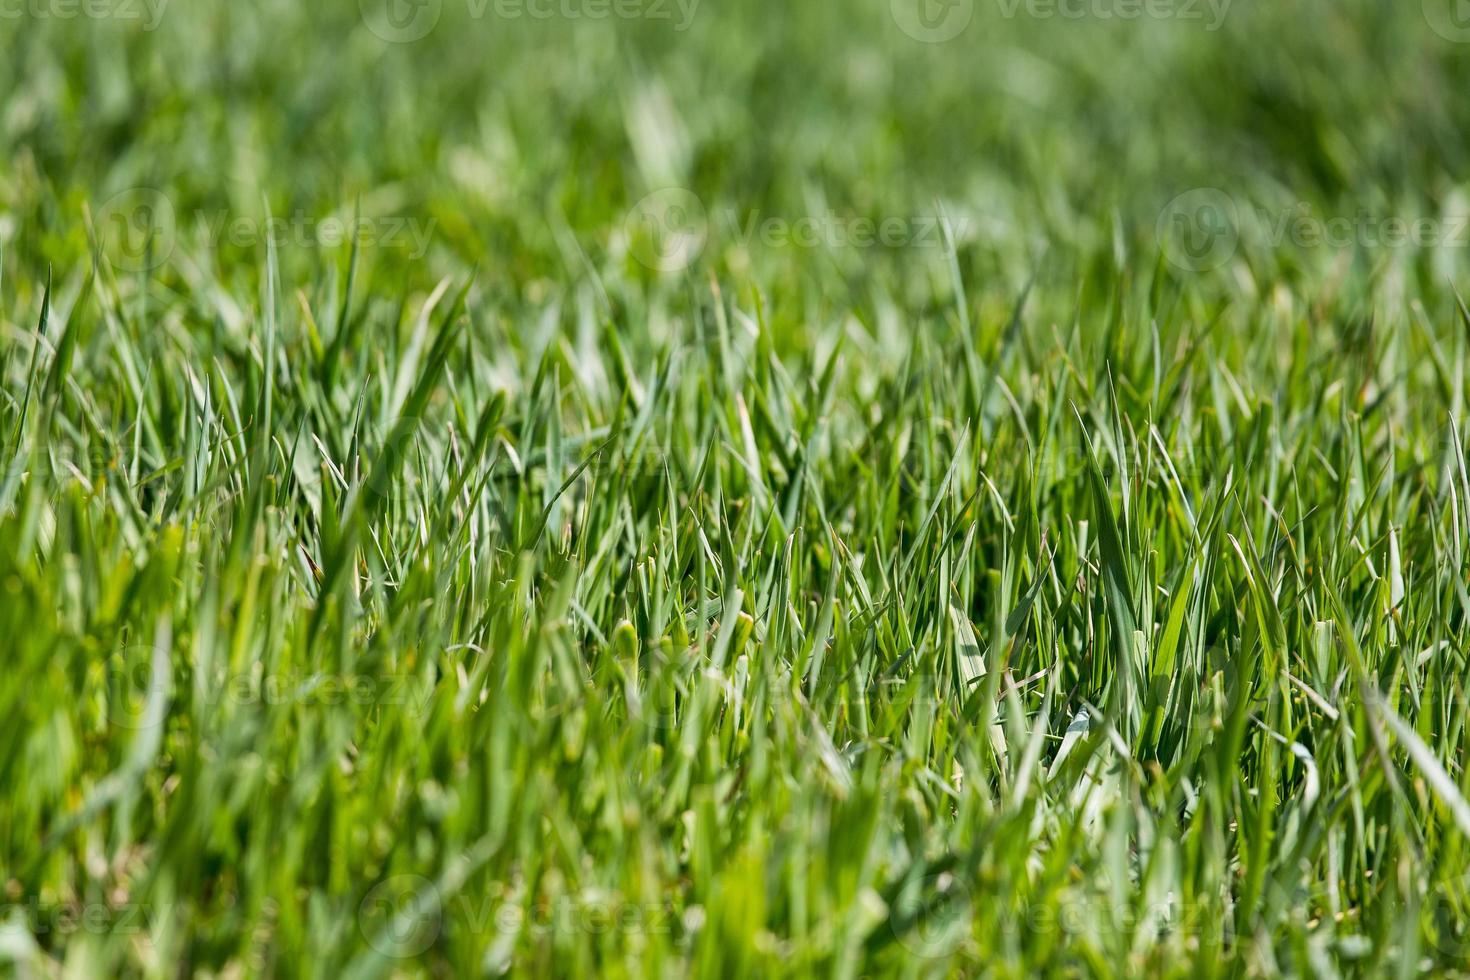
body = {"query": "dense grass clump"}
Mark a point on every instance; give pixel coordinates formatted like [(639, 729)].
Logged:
[(752, 490)]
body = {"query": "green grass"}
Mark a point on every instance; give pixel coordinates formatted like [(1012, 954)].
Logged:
[(763, 495)]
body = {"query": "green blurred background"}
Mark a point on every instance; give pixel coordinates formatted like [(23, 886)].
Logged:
[(1052, 136)]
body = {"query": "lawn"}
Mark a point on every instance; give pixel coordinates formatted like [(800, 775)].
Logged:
[(674, 488)]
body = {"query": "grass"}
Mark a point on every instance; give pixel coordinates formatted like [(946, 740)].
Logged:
[(747, 494)]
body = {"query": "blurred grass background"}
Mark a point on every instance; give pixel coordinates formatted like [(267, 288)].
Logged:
[(503, 129)]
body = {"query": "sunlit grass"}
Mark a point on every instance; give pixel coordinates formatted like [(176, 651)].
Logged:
[(773, 497)]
